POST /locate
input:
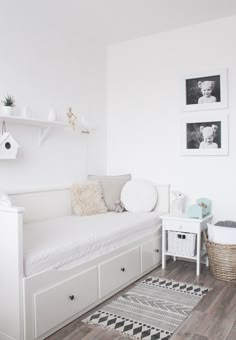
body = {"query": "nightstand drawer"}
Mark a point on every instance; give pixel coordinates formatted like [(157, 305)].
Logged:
[(185, 226)]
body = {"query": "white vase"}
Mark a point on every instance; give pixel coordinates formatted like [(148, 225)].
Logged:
[(7, 110), (26, 112), (52, 116)]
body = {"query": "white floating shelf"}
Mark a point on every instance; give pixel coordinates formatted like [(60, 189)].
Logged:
[(32, 121), (44, 125)]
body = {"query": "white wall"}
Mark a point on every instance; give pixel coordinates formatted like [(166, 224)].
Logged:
[(42, 68), (144, 110)]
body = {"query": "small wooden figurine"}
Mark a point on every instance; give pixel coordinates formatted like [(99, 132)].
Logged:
[(72, 118)]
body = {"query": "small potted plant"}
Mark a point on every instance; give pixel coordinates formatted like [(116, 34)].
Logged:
[(8, 104)]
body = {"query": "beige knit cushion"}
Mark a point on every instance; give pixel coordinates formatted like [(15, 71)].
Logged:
[(87, 199)]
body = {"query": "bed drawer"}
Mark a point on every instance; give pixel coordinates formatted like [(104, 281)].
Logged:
[(119, 270), (60, 302), (151, 253)]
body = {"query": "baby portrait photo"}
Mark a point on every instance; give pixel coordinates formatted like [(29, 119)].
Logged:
[(206, 91), (205, 134)]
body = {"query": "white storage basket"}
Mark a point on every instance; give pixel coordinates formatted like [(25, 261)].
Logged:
[(181, 244)]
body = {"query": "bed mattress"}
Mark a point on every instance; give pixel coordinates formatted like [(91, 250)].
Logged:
[(65, 241)]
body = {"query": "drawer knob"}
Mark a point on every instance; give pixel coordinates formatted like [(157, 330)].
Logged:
[(122, 269), (157, 250), (71, 297)]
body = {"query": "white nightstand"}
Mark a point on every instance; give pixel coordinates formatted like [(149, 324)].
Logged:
[(187, 225)]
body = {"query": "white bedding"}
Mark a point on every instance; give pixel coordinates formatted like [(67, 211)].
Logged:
[(63, 241)]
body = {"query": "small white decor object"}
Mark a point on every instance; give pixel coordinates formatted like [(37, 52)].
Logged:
[(139, 196), (8, 104), (8, 146), (84, 124), (7, 110), (4, 200), (177, 204), (26, 112), (52, 116)]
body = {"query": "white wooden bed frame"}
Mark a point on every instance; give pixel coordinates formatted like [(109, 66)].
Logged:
[(36, 306)]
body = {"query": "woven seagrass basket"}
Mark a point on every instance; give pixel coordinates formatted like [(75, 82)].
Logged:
[(222, 260)]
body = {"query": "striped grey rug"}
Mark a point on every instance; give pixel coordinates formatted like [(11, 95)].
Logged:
[(152, 310)]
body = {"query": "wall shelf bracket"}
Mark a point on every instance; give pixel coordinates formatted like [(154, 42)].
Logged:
[(43, 132)]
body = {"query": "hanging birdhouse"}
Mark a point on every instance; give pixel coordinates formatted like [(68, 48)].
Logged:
[(8, 146)]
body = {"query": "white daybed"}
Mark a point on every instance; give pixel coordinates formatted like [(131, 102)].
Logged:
[(54, 276)]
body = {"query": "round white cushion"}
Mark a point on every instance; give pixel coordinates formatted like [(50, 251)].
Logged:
[(139, 196)]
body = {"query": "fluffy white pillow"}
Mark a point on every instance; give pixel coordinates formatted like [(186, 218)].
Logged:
[(139, 196), (224, 235), (87, 199)]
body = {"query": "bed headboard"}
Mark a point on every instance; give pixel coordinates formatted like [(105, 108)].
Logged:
[(44, 203)]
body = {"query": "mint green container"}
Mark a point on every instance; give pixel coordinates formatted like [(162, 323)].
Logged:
[(201, 209)]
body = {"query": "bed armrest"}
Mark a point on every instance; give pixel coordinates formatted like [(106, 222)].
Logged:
[(11, 269), (12, 209)]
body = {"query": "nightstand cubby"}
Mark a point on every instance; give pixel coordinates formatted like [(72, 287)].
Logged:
[(185, 230)]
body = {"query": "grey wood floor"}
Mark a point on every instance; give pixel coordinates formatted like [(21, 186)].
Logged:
[(214, 318)]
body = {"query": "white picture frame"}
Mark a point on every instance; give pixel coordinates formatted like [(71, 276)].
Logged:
[(206, 90), (204, 134)]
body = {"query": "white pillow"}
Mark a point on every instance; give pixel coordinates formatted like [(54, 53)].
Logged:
[(139, 196), (224, 235)]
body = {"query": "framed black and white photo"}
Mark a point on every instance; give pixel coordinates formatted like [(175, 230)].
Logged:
[(204, 134), (206, 90)]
